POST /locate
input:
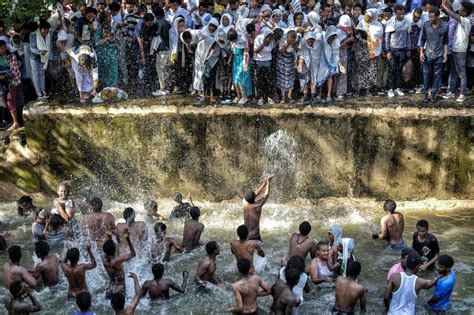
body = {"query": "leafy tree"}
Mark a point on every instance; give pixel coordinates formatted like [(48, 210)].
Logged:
[(15, 13)]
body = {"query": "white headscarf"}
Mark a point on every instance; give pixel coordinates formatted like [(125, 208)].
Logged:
[(43, 44), (374, 32), (313, 19), (228, 27), (328, 64)]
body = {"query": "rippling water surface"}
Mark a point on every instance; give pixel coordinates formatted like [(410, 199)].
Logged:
[(452, 225)]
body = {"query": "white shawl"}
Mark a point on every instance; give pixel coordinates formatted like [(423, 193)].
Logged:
[(43, 44)]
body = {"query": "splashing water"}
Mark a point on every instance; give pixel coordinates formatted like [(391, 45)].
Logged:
[(281, 151)]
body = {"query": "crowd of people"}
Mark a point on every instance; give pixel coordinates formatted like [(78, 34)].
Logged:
[(236, 51), (333, 263)]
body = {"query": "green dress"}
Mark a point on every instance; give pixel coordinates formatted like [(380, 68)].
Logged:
[(108, 58)]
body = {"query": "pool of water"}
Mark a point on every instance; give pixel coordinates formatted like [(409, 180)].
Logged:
[(450, 223)]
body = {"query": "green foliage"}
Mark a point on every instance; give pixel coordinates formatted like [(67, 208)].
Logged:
[(16, 12)]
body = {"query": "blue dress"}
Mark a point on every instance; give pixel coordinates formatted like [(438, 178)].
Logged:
[(239, 76)]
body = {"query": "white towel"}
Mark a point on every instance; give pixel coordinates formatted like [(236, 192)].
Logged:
[(43, 44)]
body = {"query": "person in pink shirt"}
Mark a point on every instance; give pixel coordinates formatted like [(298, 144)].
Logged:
[(400, 266)]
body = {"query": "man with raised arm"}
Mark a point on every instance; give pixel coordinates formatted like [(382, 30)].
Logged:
[(253, 208), (244, 248), (159, 288), (12, 271), (162, 245), (76, 274), (114, 265), (391, 226), (246, 290), (118, 299)]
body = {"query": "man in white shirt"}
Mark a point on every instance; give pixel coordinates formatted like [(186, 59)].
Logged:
[(461, 43)]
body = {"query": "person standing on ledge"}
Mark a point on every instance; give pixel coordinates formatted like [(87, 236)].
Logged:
[(253, 208), (391, 226)]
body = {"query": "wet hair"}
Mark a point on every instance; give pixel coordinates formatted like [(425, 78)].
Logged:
[(305, 228), (243, 264), (158, 270), (63, 184), (243, 232), (232, 36), (56, 222), (423, 224), (109, 247), (25, 198), (321, 244), (292, 276), (186, 37), (434, 11), (399, 7), (390, 205), (445, 261), (413, 261), (44, 25), (3, 243), (14, 253), (407, 251), (160, 227), (353, 269), (250, 196), (73, 255), (177, 196), (96, 204), (114, 7), (88, 10), (468, 7), (117, 300), (42, 248), (150, 205), (128, 213), (148, 17), (83, 301), (16, 288), (195, 213), (211, 247), (295, 262), (157, 10)]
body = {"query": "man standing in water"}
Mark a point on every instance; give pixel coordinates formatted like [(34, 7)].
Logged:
[(99, 223), (15, 301), (206, 269), (283, 298), (136, 230), (114, 265), (253, 208), (391, 226), (244, 248), (349, 292), (246, 290), (12, 271), (118, 299), (404, 287), (159, 288), (48, 268), (76, 274), (162, 245), (192, 230), (301, 244)]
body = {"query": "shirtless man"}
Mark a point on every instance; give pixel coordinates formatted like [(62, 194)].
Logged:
[(253, 208), (244, 248), (98, 223), (348, 291), (246, 290), (206, 268), (15, 301), (301, 244), (14, 272), (114, 265), (118, 299), (163, 244), (76, 274), (392, 225), (283, 298), (48, 268), (137, 230), (159, 288), (192, 230), (181, 210), (151, 208)]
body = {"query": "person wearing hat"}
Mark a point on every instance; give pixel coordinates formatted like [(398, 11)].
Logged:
[(39, 226)]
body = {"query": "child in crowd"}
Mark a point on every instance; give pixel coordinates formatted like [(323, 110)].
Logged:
[(425, 244), (441, 299)]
